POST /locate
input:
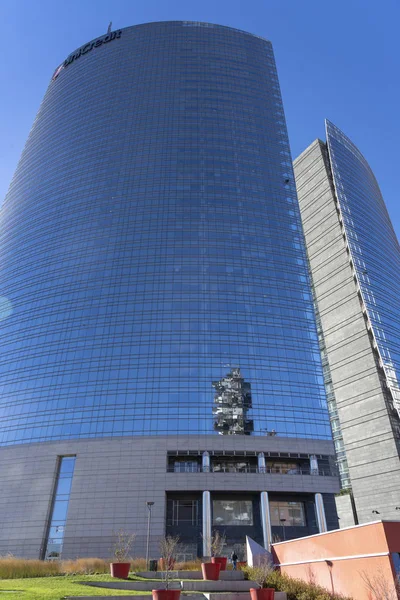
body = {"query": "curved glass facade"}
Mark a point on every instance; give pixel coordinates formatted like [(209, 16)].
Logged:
[(151, 245), (374, 249)]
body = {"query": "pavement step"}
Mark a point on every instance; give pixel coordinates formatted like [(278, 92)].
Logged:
[(185, 586), (239, 596), (136, 596), (137, 586), (196, 596), (218, 586), (223, 575), (211, 596)]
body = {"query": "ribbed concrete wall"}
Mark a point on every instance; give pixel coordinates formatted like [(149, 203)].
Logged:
[(113, 480)]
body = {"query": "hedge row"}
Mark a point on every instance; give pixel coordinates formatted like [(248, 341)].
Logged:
[(295, 588)]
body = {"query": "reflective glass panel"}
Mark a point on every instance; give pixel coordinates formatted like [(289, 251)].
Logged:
[(287, 513), (374, 251), (151, 249), (232, 512), (60, 508)]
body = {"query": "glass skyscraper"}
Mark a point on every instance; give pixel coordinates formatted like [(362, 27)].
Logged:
[(152, 250), (354, 258), (152, 242), (375, 252)]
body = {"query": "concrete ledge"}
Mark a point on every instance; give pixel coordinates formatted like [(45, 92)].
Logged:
[(218, 586), (224, 575), (185, 586), (240, 596), (137, 596), (212, 596), (137, 586)]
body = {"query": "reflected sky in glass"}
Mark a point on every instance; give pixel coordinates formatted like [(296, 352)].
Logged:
[(374, 248), (151, 243)]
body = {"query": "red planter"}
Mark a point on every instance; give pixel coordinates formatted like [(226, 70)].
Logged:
[(220, 560), (166, 594), (210, 571), (242, 564), (262, 594), (120, 570)]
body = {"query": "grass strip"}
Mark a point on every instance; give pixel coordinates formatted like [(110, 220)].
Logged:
[(56, 588)]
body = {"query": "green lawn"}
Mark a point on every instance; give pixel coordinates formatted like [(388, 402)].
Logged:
[(56, 588)]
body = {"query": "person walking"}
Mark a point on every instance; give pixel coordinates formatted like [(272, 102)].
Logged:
[(234, 558)]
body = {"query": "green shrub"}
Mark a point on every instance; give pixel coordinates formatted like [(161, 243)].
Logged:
[(296, 589), (344, 492)]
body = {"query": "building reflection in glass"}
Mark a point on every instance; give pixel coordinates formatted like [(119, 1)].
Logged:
[(167, 250), (232, 402)]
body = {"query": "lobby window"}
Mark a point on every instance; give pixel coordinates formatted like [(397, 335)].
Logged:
[(289, 513), (59, 511), (183, 512), (232, 512)]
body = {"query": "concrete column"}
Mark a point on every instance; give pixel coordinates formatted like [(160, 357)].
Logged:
[(206, 524), (320, 512), (314, 465), (266, 520), (205, 462), (261, 462)]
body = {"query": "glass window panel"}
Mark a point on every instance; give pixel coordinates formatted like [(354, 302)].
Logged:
[(232, 512), (53, 550), (67, 465), (60, 508), (287, 513), (64, 486)]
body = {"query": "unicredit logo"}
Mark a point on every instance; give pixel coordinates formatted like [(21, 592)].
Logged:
[(88, 47)]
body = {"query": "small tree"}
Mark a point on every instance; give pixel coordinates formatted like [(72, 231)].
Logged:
[(261, 572), (380, 587), (122, 545), (218, 541), (168, 551), (215, 543)]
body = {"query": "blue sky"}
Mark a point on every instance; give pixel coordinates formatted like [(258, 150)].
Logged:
[(338, 59)]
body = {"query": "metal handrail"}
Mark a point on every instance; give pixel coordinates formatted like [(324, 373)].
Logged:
[(262, 471)]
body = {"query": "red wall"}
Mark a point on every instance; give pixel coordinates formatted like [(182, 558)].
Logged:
[(339, 561)]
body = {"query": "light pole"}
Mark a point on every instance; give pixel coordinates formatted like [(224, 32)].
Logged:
[(283, 521), (149, 505)]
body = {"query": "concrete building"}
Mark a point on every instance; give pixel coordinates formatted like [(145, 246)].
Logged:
[(159, 343), (354, 260), (359, 562)]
